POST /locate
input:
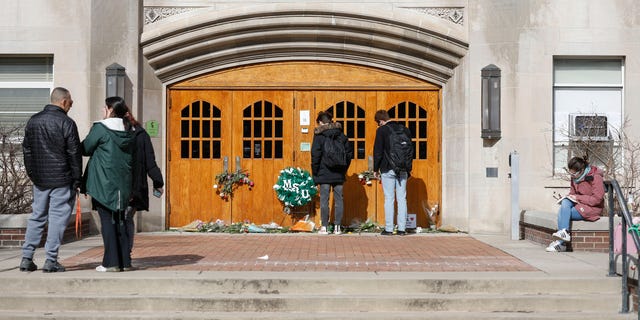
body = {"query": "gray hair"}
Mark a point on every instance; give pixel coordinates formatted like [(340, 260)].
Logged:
[(58, 94)]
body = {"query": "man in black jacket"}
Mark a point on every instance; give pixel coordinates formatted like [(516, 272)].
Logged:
[(53, 160), (327, 176), (394, 184)]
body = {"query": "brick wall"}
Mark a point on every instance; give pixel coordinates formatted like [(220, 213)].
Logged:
[(581, 240), (11, 237), (14, 237)]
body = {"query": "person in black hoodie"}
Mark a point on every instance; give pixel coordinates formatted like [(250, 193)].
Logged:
[(144, 165), (329, 177)]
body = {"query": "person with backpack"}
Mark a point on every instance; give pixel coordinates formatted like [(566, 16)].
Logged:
[(392, 164), (331, 155)]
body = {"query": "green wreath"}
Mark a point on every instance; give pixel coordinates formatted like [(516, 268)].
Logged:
[(295, 188)]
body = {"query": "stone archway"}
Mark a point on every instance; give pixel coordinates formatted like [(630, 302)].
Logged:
[(379, 36)]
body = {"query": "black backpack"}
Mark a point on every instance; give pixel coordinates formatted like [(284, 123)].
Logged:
[(400, 153), (334, 154)]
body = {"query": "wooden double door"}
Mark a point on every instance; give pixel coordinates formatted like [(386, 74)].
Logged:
[(263, 131)]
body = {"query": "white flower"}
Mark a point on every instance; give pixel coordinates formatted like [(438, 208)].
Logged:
[(368, 182), (359, 177), (215, 186)]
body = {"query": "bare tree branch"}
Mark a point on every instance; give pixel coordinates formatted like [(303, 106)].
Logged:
[(618, 155), (16, 192)]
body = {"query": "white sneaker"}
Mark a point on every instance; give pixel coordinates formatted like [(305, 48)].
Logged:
[(100, 268), (556, 246), (323, 230), (562, 235), (337, 230)]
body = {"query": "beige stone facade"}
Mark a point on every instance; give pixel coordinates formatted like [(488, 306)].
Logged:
[(444, 42)]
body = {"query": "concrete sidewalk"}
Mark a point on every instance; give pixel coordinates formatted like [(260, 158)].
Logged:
[(423, 253)]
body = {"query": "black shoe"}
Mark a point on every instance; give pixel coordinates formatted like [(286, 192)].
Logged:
[(52, 266), (27, 265), (401, 233), (386, 233), (129, 268)]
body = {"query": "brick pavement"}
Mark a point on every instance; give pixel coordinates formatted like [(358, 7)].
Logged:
[(309, 252)]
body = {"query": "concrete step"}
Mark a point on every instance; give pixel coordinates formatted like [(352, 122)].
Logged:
[(338, 286), (170, 295), (311, 302), (431, 315)]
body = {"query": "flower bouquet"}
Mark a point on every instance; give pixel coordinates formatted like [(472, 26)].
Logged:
[(366, 177), (227, 182)]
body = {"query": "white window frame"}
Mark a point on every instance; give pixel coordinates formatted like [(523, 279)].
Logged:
[(28, 84), (615, 118)]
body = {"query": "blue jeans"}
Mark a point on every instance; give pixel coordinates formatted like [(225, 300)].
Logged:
[(395, 189), (567, 213), (52, 206), (337, 203)]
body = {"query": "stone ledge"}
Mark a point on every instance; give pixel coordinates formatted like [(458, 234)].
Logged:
[(14, 220), (537, 226), (549, 220)]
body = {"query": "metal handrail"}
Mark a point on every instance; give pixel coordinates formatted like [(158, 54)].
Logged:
[(612, 188)]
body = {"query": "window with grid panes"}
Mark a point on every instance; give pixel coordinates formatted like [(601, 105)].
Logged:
[(352, 118), (200, 131), (413, 117), (262, 131)]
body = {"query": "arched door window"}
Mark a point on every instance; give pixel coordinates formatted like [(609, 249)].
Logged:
[(352, 118), (200, 131), (262, 131), (415, 118)]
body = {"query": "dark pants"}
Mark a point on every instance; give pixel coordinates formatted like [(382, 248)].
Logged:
[(115, 238), (131, 228), (337, 203)]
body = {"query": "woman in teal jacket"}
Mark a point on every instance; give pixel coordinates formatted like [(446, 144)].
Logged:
[(110, 146)]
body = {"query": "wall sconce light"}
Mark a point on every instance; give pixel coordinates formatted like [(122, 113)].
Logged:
[(491, 102), (115, 80)]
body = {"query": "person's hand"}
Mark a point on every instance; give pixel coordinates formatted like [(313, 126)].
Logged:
[(376, 175), (157, 192)]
